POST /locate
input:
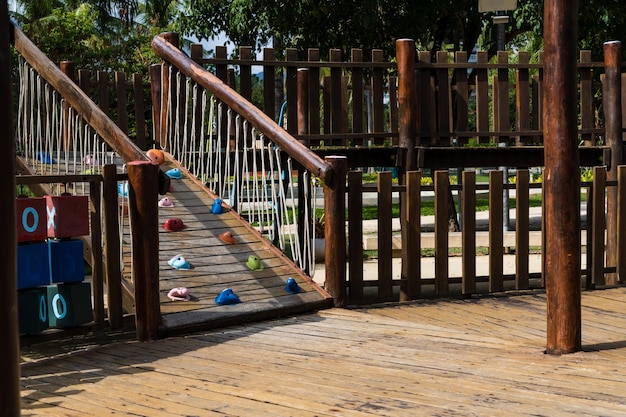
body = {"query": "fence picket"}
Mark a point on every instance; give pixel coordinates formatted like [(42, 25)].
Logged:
[(385, 272), (411, 287), (495, 231), (521, 229), (598, 226), (355, 234), (442, 189), (468, 204)]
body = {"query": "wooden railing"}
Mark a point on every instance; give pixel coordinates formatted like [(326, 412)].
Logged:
[(414, 283)]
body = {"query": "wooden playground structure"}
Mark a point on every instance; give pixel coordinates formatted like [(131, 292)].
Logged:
[(421, 138)]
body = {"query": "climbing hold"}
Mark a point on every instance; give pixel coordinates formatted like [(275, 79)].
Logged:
[(227, 296), (165, 202), (174, 173), (227, 237), (122, 189), (254, 263), (90, 160), (179, 294), (174, 224), (292, 286), (156, 155), (179, 262), (217, 206), (45, 158)]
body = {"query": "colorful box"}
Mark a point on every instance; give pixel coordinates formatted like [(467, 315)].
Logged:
[(68, 216), (32, 309), (31, 219), (33, 265), (66, 260), (69, 305)]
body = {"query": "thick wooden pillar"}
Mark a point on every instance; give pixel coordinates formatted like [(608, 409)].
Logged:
[(335, 229), (612, 106), (561, 178), (9, 333), (143, 205)]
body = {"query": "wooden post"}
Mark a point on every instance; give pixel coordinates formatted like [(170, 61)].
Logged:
[(143, 195), (9, 333), (335, 229), (561, 178), (612, 106), (112, 246), (407, 129)]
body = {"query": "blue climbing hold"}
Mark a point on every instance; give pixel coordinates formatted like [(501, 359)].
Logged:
[(174, 173), (122, 189), (217, 206), (45, 158), (292, 286), (227, 296), (179, 262)]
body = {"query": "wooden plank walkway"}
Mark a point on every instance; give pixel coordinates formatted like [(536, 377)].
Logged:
[(475, 357), (216, 266)]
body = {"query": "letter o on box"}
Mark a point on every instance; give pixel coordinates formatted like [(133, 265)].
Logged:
[(32, 307), (69, 305), (30, 219)]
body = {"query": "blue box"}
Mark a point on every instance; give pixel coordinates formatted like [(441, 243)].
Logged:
[(66, 260), (32, 310), (33, 265), (69, 305)]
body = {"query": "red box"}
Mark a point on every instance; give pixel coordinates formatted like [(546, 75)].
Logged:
[(68, 216), (31, 219)]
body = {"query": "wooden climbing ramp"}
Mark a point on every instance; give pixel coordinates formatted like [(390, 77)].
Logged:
[(216, 266)]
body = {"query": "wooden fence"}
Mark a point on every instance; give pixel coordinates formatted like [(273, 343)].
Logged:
[(125, 99), (414, 283)]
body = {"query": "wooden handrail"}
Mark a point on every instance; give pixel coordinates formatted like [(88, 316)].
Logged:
[(260, 120)]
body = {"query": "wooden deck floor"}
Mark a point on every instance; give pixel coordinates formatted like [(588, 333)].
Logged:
[(216, 266), (478, 357)]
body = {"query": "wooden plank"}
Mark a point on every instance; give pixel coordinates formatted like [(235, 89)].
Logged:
[(587, 119), (482, 97), (443, 98), (468, 204), (269, 75), (522, 229), (462, 93), (378, 82), (385, 267), (314, 92), (496, 249), (442, 186), (522, 99)]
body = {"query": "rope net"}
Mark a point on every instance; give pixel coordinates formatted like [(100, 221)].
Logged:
[(240, 165), (52, 138)]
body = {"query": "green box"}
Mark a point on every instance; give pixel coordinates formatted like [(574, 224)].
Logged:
[(32, 310), (69, 304)]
